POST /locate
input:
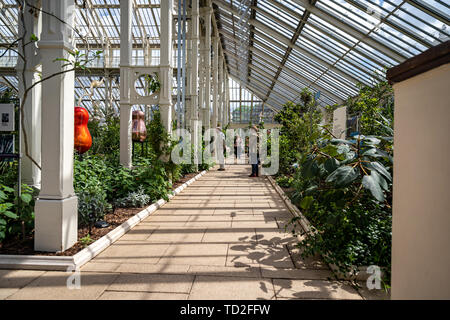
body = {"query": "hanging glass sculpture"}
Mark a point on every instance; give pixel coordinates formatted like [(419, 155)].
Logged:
[(83, 139), (139, 131)]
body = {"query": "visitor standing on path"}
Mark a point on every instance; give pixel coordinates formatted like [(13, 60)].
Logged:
[(238, 146), (220, 148), (253, 150)]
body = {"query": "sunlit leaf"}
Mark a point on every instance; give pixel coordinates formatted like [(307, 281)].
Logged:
[(371, 184)]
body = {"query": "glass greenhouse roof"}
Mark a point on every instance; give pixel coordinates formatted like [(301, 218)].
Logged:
[(325, 45), (272, 47)]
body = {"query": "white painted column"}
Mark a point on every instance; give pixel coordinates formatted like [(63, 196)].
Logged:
[(107, 90), (107, 54), (228, 101), (226, 97), (220, 92), (56, 221), (207, 118), (201, 80), (224, 81), (126, 43), (189, 73), (194, 84), (147, 52), (31, 174), (166, 61), (215, 73)]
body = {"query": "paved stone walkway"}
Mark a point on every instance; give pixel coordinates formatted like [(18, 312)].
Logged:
[(222, 238)]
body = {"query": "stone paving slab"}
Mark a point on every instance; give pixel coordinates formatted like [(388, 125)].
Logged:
[(292, 273), (177, 234), (223, 237), (235, 272), (196, 254), (13, 280), (253, 254), (227, 235), (140, 232), (169, 283), (314, 289), (100, 267), (133, 252), (153, 268), (121, 295), (373, 294), (52, 285), (229, 288)]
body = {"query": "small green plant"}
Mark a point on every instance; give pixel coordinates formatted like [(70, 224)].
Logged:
[(153, 83), (90, 189), (135, 199), (284, 181), (87, 240), (6, 213), (12, 224)]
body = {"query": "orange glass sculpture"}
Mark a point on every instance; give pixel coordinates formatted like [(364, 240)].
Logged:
[(83, 139), (139, 130)]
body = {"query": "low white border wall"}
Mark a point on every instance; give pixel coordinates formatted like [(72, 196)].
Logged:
[(62, 263)]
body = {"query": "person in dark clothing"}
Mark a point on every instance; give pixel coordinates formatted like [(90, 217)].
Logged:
[(253, 151)]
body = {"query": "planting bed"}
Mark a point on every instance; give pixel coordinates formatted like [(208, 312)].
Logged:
[(114, 219)]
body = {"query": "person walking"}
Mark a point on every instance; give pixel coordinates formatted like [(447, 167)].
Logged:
[(237, 146), (253, 149), (220, 148)]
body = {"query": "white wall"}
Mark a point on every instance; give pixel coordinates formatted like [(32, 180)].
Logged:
[(421, 205)]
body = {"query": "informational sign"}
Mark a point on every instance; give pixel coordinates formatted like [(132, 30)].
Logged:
[(7, 117)]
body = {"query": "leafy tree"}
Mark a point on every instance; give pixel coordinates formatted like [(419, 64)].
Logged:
[(375, 107), (300, 129), (343, 187)]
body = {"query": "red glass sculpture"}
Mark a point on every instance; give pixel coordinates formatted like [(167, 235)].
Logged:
[(83, 139), (139, 130)]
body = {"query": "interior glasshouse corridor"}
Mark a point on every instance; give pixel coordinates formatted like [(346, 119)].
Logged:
[(224, 149)]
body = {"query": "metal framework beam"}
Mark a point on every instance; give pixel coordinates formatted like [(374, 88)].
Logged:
[(294, 38)]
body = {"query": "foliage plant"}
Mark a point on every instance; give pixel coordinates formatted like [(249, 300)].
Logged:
[(153, 83), (299, 130), (12, 224), (375, 107), (100, 181), (343, 186), (90, 174), (105, 136), (85, 241), (135, 199)]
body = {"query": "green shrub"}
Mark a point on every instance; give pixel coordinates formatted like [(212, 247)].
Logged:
[(300, 130), (90, 181), (354, 235), (105, 137), (136, 199), (92, 205), (284, 181), (343, 187), (12, 224), (153, 178)]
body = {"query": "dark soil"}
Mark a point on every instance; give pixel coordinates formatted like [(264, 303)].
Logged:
[(184, 179), (115, 219)]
